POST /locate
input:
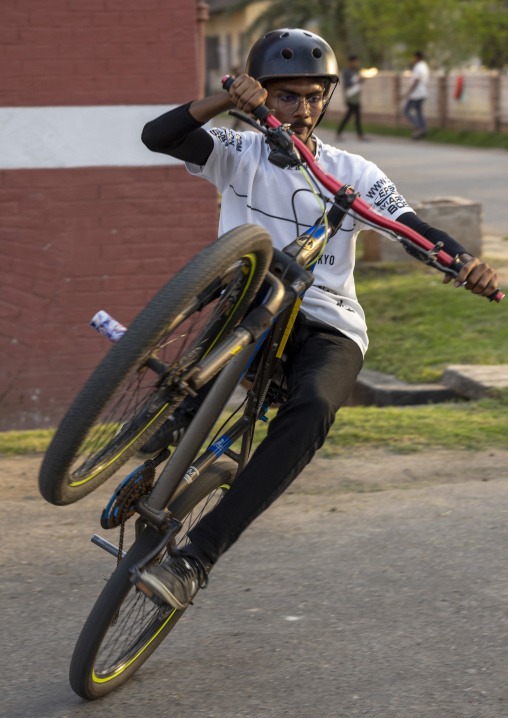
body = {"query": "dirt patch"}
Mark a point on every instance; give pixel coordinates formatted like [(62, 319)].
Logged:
[(360, 473)]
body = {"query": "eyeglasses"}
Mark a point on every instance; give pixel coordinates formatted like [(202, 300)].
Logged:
[(289, 104)]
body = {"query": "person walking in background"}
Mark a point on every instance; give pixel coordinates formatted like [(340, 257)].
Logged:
[(417, 94), (351, 83)]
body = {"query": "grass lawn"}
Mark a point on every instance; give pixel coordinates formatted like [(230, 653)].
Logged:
[(464, 425), (417, 325)]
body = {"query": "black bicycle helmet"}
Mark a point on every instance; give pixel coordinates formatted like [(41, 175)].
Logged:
[(290, 52)]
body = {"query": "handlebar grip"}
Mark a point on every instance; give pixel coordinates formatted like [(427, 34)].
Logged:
[(227, 81), (496, 295), (261, 112)]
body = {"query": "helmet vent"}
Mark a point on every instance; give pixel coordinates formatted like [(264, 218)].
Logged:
[(287, 53), (285, 34), (316, 52)]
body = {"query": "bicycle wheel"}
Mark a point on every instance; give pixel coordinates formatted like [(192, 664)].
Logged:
[(126, 398), (125, 627)]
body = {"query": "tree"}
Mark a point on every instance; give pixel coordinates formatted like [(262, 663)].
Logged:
[(326, 17), (490, 20), (385, 33)]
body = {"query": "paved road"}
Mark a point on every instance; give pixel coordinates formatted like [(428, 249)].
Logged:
[(342, 600), (425, 170)]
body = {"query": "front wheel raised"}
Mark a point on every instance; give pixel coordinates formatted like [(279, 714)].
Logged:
[(126, 399)]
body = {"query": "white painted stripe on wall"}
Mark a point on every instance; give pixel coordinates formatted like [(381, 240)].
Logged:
[(51, 137)]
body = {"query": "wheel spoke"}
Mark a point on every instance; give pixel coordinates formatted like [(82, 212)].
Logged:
[(125, 411)]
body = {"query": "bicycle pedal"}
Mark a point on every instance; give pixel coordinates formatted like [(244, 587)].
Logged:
[(135, 578)]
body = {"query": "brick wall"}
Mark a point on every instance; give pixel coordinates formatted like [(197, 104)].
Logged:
[(74, 240), (72, 52)]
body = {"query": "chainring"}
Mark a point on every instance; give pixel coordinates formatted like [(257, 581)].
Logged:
[(122, 504)]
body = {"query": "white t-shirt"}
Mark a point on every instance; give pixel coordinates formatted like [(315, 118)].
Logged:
[(255, 191), (421, 73)]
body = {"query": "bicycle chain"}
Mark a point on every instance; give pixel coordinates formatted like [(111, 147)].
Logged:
[(140, 485)]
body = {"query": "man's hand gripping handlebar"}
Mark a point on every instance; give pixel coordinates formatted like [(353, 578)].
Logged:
[(286, 141)]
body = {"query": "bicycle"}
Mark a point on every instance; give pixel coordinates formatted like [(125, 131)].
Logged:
[(224, 317)]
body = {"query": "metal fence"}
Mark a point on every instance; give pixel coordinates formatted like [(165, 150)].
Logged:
[(482, 104)]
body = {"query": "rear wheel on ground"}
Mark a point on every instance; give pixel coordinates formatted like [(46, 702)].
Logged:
[(125, 627)]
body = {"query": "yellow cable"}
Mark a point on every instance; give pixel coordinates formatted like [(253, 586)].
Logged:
[(322, 207)]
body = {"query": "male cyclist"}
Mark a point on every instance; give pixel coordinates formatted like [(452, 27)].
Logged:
[(293, 72)]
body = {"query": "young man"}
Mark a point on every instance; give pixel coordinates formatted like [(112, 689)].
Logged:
[(352, 86), (294, 72), (417, 94)]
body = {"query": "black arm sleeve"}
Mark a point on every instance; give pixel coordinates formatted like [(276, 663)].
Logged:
[(450, 245), (178, 134)]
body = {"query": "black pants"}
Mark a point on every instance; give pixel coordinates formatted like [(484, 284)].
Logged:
[(352, 109), (322, 369)]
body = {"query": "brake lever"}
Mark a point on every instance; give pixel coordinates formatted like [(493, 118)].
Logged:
[(429, 257), (248, 120), (283, 151)]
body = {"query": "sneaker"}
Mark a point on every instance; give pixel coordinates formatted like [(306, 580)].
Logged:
[(175, 581), (169, 434)]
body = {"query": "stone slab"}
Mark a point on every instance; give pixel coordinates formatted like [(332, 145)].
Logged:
[(374, 388), (475, 382)]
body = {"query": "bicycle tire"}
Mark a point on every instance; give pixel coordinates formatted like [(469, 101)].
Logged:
[(120, 601), (120, 407)]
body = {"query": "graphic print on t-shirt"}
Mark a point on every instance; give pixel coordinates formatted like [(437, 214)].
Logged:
[(300, 225), (228, 137), (385, 196)]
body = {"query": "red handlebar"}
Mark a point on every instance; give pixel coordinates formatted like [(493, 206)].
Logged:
[(359, 205)]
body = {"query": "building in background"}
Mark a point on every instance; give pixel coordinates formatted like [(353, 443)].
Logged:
[(89, 218), (227, 39)]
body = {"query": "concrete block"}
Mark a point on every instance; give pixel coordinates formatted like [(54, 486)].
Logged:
[(378, 389), (460, 218), (475, 382)]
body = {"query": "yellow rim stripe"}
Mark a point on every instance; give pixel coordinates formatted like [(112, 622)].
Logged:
[(79, 483), (121, 670)]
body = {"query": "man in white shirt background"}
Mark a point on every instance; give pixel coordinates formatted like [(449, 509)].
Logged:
[(417, 94)]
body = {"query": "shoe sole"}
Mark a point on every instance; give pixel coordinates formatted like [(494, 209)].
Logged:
[(156, 589)]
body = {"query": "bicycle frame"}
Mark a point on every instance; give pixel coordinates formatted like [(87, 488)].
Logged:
[(236, 355)]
